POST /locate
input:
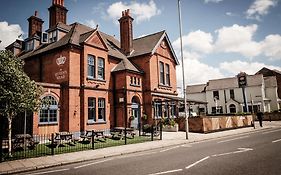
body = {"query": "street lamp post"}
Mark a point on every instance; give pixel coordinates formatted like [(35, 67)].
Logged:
[(183, 80)]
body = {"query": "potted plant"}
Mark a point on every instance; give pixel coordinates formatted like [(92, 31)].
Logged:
[(170, 125)]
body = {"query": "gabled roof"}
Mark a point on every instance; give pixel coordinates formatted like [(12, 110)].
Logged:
[(195, 88), (149, 43), (228, 83), (268, 72), (125, 64), (78, 33), (86, 36)]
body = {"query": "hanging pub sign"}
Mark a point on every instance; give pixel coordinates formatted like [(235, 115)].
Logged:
[(242, 79)]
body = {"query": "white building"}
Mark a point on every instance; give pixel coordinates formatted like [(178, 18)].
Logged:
[(225, 96)]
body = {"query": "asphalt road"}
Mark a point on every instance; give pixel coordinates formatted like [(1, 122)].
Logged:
[(255, 153)]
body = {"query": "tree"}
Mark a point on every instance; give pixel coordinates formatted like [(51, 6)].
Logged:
[(17, 92)]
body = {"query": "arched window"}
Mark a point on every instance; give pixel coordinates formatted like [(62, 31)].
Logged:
[(49, 110), (232, 108)]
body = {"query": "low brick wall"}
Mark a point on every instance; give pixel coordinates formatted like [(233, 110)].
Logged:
[(207, 124), (273, 116)]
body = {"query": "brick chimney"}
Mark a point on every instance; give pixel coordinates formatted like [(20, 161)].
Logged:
[(35, 25), (57, 13), (126, 32)]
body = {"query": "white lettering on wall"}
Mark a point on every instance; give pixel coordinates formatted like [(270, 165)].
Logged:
[(61, 74)]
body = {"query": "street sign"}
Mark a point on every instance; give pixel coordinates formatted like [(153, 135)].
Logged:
[(242, 79)]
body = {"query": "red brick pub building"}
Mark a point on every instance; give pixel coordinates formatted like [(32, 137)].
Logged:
[(92, 80)]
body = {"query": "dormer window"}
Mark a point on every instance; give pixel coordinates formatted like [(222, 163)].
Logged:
[(53, 36), (29, 45), (44, 37)]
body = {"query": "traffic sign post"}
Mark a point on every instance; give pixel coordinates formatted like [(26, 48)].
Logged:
[(242, 82)]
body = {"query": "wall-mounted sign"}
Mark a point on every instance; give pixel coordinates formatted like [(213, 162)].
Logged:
[(121, 99), (61, 74), (242, 79), (60, 60)]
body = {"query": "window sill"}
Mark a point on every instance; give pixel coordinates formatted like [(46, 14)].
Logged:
[(95, 79), (135, 85), (166, 86), (47, 124), (96, 122)]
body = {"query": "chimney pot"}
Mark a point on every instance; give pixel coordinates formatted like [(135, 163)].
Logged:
[(36, 13)]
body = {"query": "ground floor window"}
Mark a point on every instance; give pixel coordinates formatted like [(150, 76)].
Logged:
[(166, 110), (157, 109), (173, 109), (217, 110), (101, 109), (232, 108), (92, 109), (254, 108), (49, 111)]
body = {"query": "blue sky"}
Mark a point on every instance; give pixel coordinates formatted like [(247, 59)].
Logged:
[(221, 37)]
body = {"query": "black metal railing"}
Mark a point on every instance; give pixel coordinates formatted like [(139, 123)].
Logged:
[(28, 146)]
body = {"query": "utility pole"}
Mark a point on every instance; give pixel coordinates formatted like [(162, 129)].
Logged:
[(183, 80)]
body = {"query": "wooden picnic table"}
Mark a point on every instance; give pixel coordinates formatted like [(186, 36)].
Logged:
[(119, 132), (63, 137), (98, 134), (18, 142)]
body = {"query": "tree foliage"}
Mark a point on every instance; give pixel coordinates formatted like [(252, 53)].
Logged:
[(17, 92)]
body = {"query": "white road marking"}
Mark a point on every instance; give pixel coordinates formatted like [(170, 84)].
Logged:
[(232, 139), (135, 155), (234, 152), (52, 171), (186, 145), (271, 131), (81, 166), (169, 149), (166, 172), (276, 141), (195, 163)]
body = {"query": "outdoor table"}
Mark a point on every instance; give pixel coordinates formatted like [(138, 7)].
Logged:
[(120, 132), (18, 142), (64, 137), (98, 134)]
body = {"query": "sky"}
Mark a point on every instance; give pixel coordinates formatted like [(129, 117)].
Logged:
[(220, 37)]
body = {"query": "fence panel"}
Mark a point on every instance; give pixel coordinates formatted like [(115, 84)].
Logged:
[(28, 146)]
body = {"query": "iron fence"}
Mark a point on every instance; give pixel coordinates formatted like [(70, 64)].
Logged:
[(28, 146)]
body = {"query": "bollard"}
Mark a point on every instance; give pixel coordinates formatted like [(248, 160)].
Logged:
[(93, 139), (152, 131), (161, 126), (53, 144), (125, 135)]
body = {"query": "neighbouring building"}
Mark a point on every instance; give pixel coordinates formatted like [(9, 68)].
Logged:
[(225, 96), (92, 80)]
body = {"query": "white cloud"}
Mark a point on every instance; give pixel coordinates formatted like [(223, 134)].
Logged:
[(271, 47), (214, 1), (235, 67), (91, 23), (197, 41), (8, 33), (231, 14), (140, 11), (238, 39), (195, 71), (260, 8), (231, 39)]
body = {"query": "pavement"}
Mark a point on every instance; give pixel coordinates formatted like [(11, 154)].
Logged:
[(169, 139)]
